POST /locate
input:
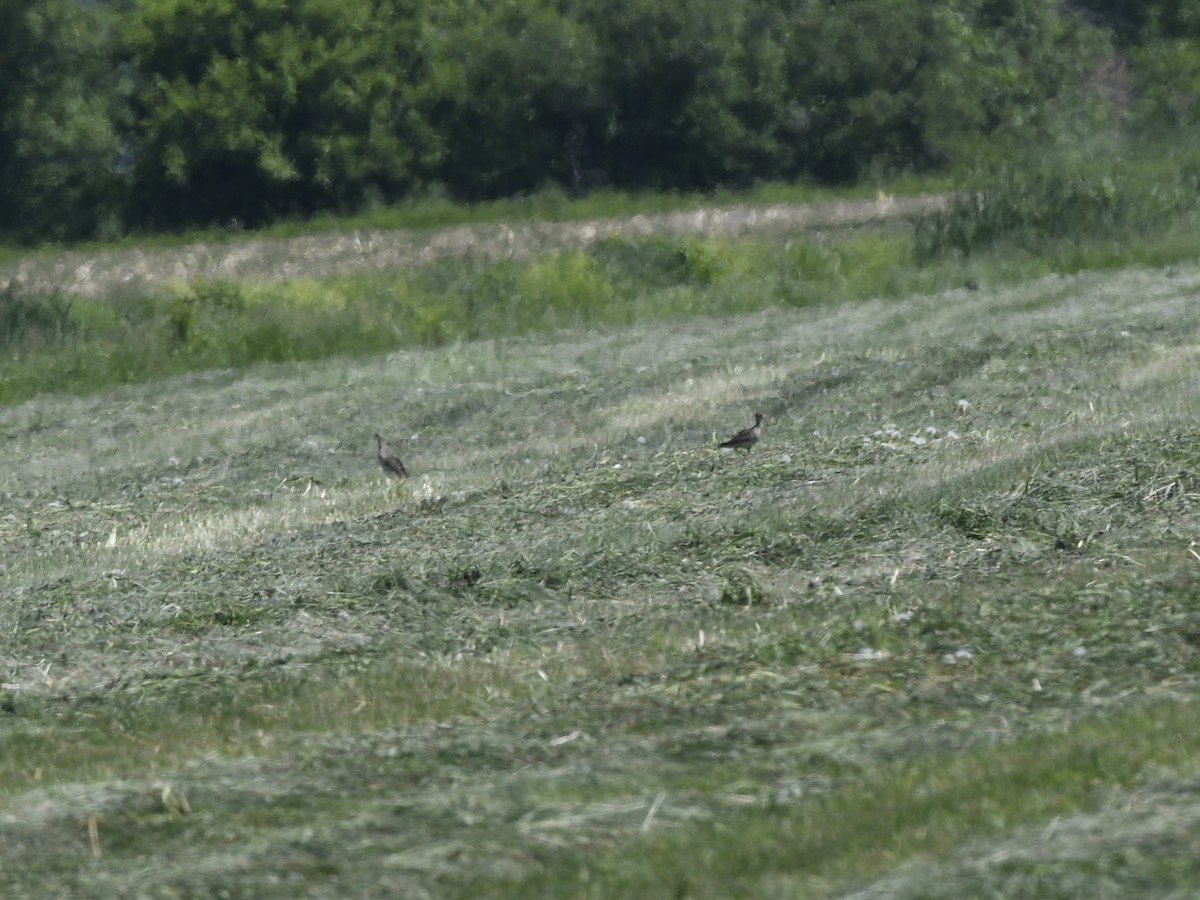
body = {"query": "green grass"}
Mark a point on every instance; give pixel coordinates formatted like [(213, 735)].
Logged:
[(906, 647), (1083, 201), (57, 342), (600, 262), (81, 344)]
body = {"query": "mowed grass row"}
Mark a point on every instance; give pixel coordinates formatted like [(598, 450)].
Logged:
[(934, 636)]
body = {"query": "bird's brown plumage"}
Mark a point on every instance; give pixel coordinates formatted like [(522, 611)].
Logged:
[(390, 464), (747, 437)]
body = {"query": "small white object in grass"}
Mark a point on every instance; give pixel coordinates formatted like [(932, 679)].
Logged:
[(628, 504), (918, 441), (616, 465), (948, 659), (1037, 686), (902, 616), (964, 407), (964, 653), (952, 434), (700, 639), (566, 738), (1079, 651), (868, 653), (787, 457), (658, 801), (641, 439), (173, 460), (929, 429), (858, 625)]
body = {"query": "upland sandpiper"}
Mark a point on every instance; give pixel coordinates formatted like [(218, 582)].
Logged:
[(389, 463), (747, 437)]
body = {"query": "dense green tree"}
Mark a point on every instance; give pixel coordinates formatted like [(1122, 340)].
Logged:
[(1138, 22), (59, 98), (193, 112), (672, 88), (633, 93), (857, 70), (895, 84), (514, 81), (257, 109), (1167, 83)]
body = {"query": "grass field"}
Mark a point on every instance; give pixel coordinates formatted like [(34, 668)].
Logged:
[(936, 636)]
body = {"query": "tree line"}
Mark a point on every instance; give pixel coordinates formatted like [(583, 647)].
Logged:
[(158, 115)]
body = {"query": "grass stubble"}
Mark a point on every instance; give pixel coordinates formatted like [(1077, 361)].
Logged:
[(906, 647)]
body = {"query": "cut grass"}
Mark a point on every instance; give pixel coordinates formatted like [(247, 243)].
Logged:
[(580, 652), (899, 812)]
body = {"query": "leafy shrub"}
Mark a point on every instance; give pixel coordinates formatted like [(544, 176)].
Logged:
[(857, 267), (563, 289), (657, 262), (874, 263), (1169, 83), (27, 317), (1050, 199), (95, 318)]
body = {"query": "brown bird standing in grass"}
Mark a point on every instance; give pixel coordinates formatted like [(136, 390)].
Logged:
[(747, 437), (387, 462)]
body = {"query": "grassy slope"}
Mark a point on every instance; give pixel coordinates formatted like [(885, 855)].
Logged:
[(902, 649)]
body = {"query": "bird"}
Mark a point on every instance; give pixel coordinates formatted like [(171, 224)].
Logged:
[(747, 437), (390, 464)]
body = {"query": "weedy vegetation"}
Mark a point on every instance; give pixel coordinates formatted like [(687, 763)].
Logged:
[(934, 636)]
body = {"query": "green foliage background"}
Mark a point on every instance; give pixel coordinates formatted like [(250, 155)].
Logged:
[(164, 114)]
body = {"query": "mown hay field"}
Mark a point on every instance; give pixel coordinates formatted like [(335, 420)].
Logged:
[(934, 636)]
